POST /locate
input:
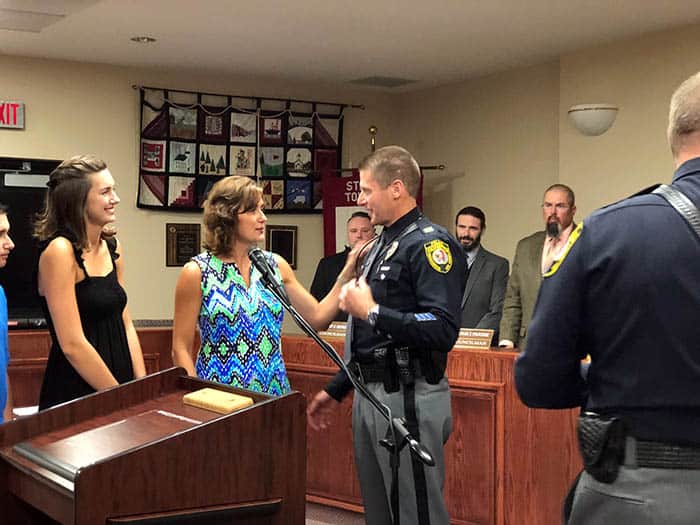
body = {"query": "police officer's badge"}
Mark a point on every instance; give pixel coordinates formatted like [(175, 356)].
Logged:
[(439, 255), (392, 250)]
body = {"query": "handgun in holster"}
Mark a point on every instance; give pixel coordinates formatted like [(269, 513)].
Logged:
[(397, 366), (602, 444), (404, 366)]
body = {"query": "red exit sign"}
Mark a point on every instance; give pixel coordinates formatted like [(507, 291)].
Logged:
[(11, 114)]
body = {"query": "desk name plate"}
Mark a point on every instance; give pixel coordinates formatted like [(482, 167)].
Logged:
[(474, 338), (468, 337), (336, 329)]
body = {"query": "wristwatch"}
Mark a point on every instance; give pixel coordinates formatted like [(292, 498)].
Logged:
[(372, 315)]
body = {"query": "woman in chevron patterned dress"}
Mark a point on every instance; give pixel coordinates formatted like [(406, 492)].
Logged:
[(239, 319)]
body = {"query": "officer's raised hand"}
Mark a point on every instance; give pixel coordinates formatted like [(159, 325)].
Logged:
[(356, 299), (349, 270)]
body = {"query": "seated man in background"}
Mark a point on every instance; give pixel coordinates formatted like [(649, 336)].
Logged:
[(359, 229), (487, 274), (6, 246)]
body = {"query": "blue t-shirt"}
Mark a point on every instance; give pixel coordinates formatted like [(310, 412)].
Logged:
[(4, 352)]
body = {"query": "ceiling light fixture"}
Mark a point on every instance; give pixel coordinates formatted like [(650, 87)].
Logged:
[(143, 39), (592, 119)]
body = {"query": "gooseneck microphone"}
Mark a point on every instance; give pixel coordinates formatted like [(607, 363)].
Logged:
[(259, 260)]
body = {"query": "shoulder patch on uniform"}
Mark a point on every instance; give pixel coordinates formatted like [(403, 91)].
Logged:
[(569, 244), (438, 255), (425, 317), (428, 229)]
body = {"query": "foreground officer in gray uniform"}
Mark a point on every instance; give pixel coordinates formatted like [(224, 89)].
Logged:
[(628, 293), (405, 312)]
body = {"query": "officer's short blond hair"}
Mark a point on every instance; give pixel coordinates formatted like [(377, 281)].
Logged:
[(390, 163), (684, 113)]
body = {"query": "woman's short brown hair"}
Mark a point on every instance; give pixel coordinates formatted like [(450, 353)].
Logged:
[(64, 208), (227, 198)]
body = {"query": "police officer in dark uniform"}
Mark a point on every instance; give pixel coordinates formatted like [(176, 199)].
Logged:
[(627, 292), (404, 319)]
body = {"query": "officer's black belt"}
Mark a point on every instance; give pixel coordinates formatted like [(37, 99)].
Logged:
[(371, 372), (375, 372), (653, 454)]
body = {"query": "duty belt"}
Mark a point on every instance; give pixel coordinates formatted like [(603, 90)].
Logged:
[(375, 371), (605, 445), (653, 454), (371, 372)]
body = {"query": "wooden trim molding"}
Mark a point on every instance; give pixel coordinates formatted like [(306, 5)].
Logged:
[(506, 464)]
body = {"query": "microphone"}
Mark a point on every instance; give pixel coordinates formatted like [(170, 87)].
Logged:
[(257, 257)]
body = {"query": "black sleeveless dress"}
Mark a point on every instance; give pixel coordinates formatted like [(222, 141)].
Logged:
[(101, 301)]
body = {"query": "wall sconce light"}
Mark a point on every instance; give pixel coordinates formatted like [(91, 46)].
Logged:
[(592, 119)]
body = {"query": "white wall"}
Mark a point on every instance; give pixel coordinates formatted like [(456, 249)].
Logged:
[(74, 108), (639, 76), (503, 138), (498, 137)]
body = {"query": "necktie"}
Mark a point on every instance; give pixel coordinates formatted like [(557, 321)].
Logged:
[(378, 245)]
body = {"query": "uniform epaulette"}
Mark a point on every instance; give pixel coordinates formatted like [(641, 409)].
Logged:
[(645, 191)]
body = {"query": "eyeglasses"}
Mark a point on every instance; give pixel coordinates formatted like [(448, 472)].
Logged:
[(560, 207)]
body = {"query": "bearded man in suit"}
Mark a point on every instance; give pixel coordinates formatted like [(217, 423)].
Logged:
[(487, 274), (534, 256)]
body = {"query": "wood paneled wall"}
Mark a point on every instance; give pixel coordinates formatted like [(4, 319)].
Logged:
[(505, 463)]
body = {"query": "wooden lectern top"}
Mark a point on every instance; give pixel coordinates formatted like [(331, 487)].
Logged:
[(136, 451), (65, 456)]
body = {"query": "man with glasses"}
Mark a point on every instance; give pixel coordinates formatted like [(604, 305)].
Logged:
[(534, 256)]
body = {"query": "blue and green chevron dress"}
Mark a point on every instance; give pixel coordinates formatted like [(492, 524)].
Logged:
[(240, 329)]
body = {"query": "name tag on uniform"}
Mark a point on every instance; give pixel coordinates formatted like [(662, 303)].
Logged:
[(474, 338)]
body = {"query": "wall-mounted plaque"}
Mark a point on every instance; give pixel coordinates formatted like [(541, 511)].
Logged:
[(182, 242), (283, 241)]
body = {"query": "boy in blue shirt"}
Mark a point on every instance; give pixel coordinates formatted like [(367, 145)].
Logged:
[(6, 246)]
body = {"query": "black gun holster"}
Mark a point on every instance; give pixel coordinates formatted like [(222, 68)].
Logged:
[(601, 441)]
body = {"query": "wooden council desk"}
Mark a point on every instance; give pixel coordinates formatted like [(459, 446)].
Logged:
[(505, 463)]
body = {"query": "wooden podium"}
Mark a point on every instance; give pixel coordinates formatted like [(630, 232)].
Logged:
[(135, 454)]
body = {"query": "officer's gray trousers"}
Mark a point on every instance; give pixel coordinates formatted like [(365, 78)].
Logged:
[(639, 496), (434, 415)]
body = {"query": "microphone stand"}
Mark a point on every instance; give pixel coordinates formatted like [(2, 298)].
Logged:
[(400, 436)]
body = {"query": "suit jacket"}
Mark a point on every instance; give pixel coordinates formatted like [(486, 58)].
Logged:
[(523, 285), (482, 301), (327, 272)]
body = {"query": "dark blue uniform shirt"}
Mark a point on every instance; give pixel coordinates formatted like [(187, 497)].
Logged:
[(417, 279), (628, 294)]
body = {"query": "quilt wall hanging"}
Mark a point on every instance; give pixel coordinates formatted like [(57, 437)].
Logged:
[(190, 140)]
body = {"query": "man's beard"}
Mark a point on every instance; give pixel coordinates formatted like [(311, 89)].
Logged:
[(553, 229), (473, 246)]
